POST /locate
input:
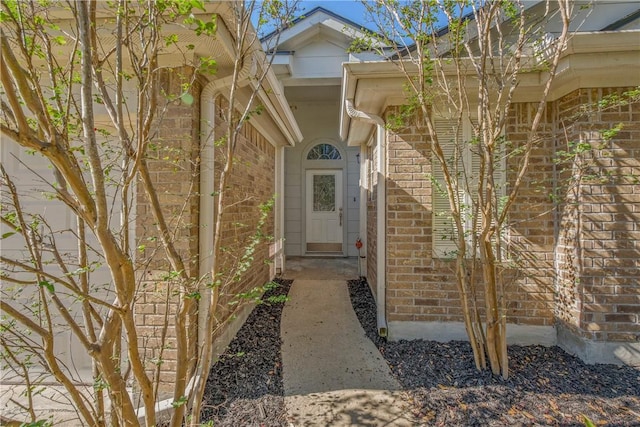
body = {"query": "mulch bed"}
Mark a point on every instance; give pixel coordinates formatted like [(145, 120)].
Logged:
[(245, 385), (546, 387)]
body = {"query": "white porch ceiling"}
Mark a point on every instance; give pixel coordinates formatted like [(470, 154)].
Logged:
[(312, 93)]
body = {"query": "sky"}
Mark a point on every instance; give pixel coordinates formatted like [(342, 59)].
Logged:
[(350, 9)]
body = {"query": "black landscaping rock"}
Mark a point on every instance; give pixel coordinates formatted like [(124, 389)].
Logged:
[(546, 386), (245, 386)]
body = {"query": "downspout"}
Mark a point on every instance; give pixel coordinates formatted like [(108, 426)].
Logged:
[(207, 188), (279, 213), (205, 216), (206, 209), (207, 185), (381, 217), (364, 184)]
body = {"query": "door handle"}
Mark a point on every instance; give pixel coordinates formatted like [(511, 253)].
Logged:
[(340, 215)]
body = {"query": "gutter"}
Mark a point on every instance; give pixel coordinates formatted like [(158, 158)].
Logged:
[(280, 115), (381, 217), (295, 132), (281, 112)]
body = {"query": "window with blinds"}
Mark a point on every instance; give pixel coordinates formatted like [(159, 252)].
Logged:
[(463, 163)]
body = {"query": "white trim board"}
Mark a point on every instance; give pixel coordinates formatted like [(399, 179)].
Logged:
[(455, 331)]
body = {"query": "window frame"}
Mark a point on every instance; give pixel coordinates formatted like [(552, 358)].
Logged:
[(335, 149), (441, 246)]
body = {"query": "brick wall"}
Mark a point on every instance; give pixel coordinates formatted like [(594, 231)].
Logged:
[(569, 297), (172, 163), (531, 232), (577, 261), (413, 290), (155, 310), (175, 171), (423, 288), (253, 184), (599, 253)]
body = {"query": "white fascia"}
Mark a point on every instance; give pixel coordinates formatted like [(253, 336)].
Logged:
[(278, 106), (371, 86)]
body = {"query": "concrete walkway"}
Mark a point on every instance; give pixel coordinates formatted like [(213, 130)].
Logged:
[(333, 374)]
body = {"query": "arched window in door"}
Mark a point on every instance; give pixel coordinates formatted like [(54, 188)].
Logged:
[(324, 152)]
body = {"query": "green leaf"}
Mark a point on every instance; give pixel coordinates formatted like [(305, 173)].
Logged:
[(198, 4), (277, 299), (194, 295), (48, 285), (187, 99), (9, 234), (208, 65), (587, 421), (39, 423), (171, 39), (179, 402), (100, 384)]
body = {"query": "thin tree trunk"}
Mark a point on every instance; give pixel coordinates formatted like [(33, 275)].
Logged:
[(494, 336), (120, 265), (466, 313), (185, 305)]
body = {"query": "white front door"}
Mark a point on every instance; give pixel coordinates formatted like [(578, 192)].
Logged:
[(325, 217)]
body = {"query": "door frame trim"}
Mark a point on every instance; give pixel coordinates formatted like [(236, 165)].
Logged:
[(305, 214)]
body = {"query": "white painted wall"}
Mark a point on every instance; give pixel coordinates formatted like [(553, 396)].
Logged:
[(33, 175), (319, 123), (319, 59)]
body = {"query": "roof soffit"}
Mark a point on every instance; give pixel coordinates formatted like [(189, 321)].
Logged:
[(586, 62), (221, 48)]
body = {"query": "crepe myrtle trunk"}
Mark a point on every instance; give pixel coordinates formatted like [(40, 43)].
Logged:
[(49, 109), (477, 62), (54, 74)]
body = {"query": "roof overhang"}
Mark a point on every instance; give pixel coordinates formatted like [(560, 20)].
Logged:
[(587, 62), (371, 86), (310, 25), (278, 124)]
